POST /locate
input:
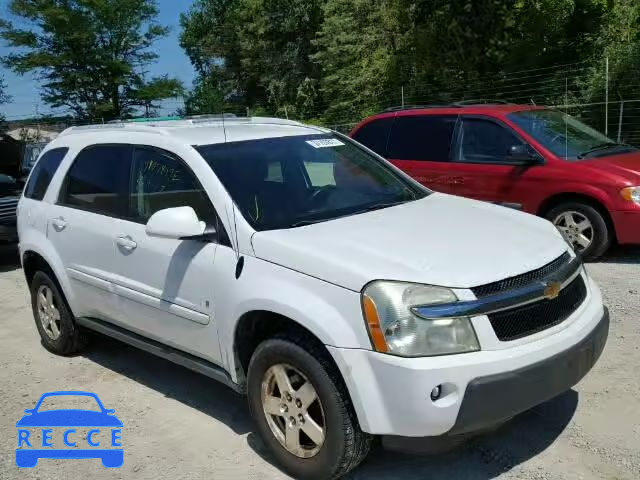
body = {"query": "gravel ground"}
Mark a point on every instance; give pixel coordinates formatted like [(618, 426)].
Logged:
[(178, 424)]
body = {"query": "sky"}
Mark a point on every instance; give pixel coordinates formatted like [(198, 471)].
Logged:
[(172, 61)]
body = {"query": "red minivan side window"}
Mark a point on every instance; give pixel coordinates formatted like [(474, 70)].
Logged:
[(422, 137), (375, 134)]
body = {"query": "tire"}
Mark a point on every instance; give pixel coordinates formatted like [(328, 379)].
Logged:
[(601, 234), (344, 445), (69, 339)]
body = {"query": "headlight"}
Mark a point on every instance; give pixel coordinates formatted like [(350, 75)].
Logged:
[(395, 329), (632, 194)]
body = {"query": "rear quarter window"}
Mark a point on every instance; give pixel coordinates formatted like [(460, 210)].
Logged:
[(43, 172), (374, 135)]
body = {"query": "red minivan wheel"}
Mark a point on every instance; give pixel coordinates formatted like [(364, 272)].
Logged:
[(583, 226)]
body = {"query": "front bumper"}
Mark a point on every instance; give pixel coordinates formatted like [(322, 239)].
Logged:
[(493, 399), (391, 395), (627, 226)]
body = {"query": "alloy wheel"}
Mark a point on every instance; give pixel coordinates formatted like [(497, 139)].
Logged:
[(293, 410), (48, 313), (576, 229)]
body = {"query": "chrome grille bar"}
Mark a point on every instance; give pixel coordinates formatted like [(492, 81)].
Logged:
[(535, 291)]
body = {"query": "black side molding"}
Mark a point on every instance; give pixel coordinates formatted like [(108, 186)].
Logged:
[(174, 355)]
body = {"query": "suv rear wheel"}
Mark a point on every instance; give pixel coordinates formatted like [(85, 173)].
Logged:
[(583, 226), (54, 320), (302, 409)]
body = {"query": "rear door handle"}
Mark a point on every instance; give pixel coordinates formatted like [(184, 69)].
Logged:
[(127, 243), (456, 181), (59, 224)]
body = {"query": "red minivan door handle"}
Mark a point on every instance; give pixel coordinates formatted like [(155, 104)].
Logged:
[(456, 181)]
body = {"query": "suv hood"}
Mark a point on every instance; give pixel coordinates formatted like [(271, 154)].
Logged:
[(439, 240)]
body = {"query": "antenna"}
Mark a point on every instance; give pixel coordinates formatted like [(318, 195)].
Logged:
[(233, 238), (239, 258), (235, 229), (224, 131)]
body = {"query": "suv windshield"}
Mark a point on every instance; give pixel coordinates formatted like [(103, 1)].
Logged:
[(566, 136), (293, 181)]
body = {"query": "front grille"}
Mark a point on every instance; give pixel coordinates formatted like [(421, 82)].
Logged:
[(535, 317), (522, 280)]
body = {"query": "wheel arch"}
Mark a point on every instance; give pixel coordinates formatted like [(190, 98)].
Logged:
[(255, 326), (34, 260), (550, 203)]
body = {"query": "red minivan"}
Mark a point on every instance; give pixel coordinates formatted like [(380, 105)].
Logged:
[(534, 159)]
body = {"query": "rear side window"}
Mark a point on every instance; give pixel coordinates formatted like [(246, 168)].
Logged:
[(43, 172), (422, 137), (374, 135), (98, 180)]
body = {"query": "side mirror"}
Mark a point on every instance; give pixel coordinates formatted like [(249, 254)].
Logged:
[(178, 222), (523, 154)]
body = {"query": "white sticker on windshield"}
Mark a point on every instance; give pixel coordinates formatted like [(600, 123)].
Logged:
[(325, 142)]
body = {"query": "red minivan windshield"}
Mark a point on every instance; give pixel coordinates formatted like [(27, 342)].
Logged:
[(566, 136)]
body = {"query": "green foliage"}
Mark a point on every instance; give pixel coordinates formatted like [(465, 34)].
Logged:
[(256, 53), (90, 54), (205, 97), (337, 60), (4, 98)]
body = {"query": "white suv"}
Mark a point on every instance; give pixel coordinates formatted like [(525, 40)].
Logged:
[(302, 269)]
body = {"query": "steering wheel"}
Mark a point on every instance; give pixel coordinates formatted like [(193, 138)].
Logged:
[(320, 194), (557, 137)]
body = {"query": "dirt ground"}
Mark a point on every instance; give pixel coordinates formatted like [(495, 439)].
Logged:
[(178, 424)]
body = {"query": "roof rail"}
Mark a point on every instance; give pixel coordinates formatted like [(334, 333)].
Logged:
[(481, 101), (416, 107), (211, 116), (162, 125), (134, 127)]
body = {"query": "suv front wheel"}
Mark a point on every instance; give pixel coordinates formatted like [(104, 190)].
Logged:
[(303, 411)]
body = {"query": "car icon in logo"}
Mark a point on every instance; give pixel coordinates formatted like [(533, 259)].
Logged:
[(100, 422)]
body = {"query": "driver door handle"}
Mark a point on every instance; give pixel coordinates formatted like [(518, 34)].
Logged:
[(127, 243)]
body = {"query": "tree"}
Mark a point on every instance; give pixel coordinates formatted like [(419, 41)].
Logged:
[(4, 98), (335, 61), (90, 54), (147, 94), (254, 53), (360, 47), (205, 97)]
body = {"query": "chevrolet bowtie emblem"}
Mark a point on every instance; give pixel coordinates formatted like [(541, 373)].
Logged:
[(552, 290)]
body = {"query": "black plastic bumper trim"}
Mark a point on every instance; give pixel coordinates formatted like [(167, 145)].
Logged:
[(496, 398)]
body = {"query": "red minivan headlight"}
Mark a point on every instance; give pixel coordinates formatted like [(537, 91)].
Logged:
[(632, 194)]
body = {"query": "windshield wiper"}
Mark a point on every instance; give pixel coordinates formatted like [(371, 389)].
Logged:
[(302, 223), (375, 206), (379, 206), (601, 146)]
